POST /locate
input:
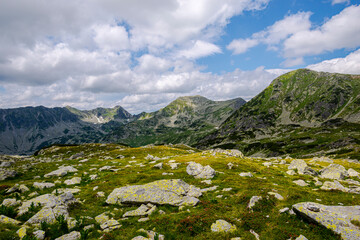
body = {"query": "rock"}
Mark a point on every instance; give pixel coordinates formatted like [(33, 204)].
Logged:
[(253, 201), (21, 232), (213, 188), (62, 171), (93, 176), (43, 185), (49, 215), (206, 181), (334, 171), (331, 186), (284, 210), (267, 164), (174, 166), (64, 190), (230, 153), (73, 181), (159, 165), (291, 172), (152, 235), (302, 167), (230, 165), (143, 210), (198, 171), (7, 173), (301, 183), (140, 238), (6, 220), (74, 235), (222, 226), (257, 237), (23, 188), (353, 173), (335, 218), (39, 234), (173, 192), (10, 202), (6, 164), (110, 225), (77, 155), (100, 194), (105, 168), (246, 174), (143, 219), (276, 195), (102, 218), (301, 237)]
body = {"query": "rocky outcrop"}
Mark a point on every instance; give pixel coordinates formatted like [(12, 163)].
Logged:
[(7, 173), (74, 235), (173, 192), (199, 171), (302, 167), (62, 171), (336, 218), (334, 171)]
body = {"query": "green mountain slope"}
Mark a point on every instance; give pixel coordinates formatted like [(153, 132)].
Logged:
[(320, 108), (184, 120), (102, 115)]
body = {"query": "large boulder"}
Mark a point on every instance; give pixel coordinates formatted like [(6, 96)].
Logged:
[(7, 173), (174, 192), (302, 167), (337, 218), (62, 171), (74, 235), (334, 171), (49, 215), (199, 171)]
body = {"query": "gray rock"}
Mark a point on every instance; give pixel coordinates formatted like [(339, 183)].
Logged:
[(6, 220), (334, 171), (335, 218), (173, 192), (276, 195), (253, 201), (301, 237), (302, 167), (7, 173), (43, 185), (291, 172), (198, 171), (222, 226), (74, 235), (11, 202), (73, 181), (174, 166), (331, 186), (143, 210), (49, 215), (159, 165), (301, 183), (353, 173), (62, 171), (39, 234), (246, 174)]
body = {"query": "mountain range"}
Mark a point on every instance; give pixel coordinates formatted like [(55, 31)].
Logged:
[(301, 113)]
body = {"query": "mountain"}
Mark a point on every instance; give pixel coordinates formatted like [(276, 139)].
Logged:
[(184, 120), (25, 130), (300, 112)]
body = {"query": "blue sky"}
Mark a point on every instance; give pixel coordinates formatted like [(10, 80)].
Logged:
[(143, 54)]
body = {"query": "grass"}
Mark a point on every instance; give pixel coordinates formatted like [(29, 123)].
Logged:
[(190, 222)]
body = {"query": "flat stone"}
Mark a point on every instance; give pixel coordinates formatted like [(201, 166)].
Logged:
[(174, 166), (110, 225), (6, 220), (198, 171), (49, 215), (173, 192), (353, 173), (74, 235), (222, 226), (253, 201), (143, 210), (335, 218), (334, 171), (246, 174), (73, 181), (62, 171), (301, 237), (301, 183), (102, 218), (43, 185), (276, 195)]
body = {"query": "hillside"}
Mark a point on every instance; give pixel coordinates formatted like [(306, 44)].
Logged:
[(299, 112), (108, 191), (102, 115), (184, 120)]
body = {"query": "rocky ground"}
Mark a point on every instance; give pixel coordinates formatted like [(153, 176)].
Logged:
[(111, 191)]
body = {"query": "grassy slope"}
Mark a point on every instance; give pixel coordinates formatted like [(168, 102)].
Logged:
[(190, 222)]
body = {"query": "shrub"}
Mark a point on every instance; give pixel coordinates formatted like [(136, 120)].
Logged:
[(8, 211)]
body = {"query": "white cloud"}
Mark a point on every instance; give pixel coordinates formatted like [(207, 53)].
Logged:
[(111, 38), (200, 49), (239, 46), (348, 65), (340, 1), (340, 31)]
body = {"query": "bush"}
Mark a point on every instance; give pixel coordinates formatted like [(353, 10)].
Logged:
[(56, 229), (31, 212), (8, 211)]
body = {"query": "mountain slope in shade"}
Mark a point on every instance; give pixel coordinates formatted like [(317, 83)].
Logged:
[(184, 120), (302, 103)]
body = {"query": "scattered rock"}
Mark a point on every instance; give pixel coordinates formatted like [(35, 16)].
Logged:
[(62, 171), (302, 167), (73, 181), (39, 234), (174, 166), (335, 218), (74, 235), (21, 232), (230, 165), (253, 201), (291, 172), (173, 192), (301, 237), (64, 190), (43, 185), (49, 215), (301, 183), (353, 173), (151, 235), (6, 220), (331, 186), (11, 202), (7, 173), (276, 195), (246, 174), (159, 166), (284, 210), (222, 226), (110, 225), (207, 181), (257, 237), (198, 171), (143, 210), (334, 171)]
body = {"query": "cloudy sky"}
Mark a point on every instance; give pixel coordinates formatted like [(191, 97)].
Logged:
[(142, 54)]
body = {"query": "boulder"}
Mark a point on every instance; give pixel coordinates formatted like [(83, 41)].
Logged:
[(11, 202), (276, 195), (74, 235), (43, 185), (300, 183), (159, 165), (143, 210), (222, 226), (336, 218), (333, 186), (302, 167), (62, 171), (151, 235), (73, 181), (253, 201), (353, 173), (49, 215), (246, 174), (7, 173), (198, 171), (173, 192), (334, 171), (301, 237), (6, 220), (39, 234)]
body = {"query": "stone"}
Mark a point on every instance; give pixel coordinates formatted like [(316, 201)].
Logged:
[(143, 210), (174, 166), (43, 185), (62, 171), (110, 225), (267, 164), (140, 238), (352, 173), (102, 218), (173, 192), (64, 190), (73, 181), (10, 202), (257, 237), (39, 234), (276, 195), (284, 210), (246, 174), (152, 235), (331, 186), (301, 183), (93, 176), (21, 232), (335, 218), (143, 219), (6, 164), (105, 168), (198, 171), (206, 181), (334, 171), (253, 201), (74, 235), (291, 172), (301, 237), (6, 220), (230, 165), (213, 188), (49, 215), (302, 167), (7, 173), (159, 165), (222, 226), (100, 194), (23, 188)]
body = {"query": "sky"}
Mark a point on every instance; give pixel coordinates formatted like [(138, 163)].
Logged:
[(143, 54)]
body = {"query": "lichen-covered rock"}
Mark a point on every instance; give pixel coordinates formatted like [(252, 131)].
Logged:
[(174, 166), (49, 215), (109, 225), (143, 210), (21, 232), (222, 226), (43, 185), (159, 165), (334, 171), (331, 186), (102, 218), (7, 173), (230, 153), (199, 171), (10, 202), (302, 167), (62, 171), (39, 234), (253, 201), (336, 218), (301, 237), (353, 173), (151, 235), (74, 235), (7, 220), (73, 181), (173, 192), (64, 190), (276, 195), (300, 183)]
